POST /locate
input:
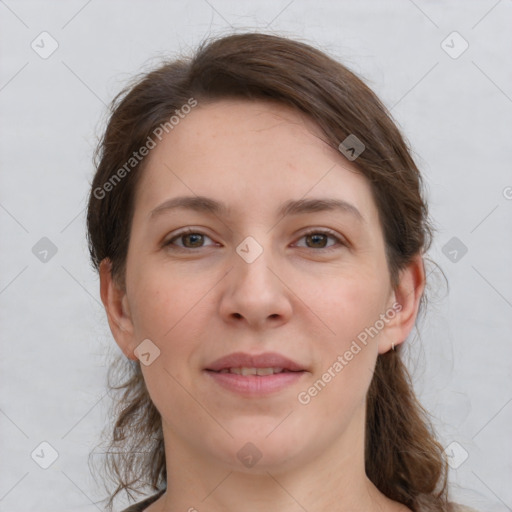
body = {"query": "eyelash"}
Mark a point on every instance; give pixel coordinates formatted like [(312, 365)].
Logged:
[(327, 232)]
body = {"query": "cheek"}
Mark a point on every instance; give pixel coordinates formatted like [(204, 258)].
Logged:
[(169, 311), (346, 355), (165, 303), (345, 359), (347, 305), (172, 311)]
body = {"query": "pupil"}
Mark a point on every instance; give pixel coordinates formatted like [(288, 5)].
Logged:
[(316, 237), (194, 235)]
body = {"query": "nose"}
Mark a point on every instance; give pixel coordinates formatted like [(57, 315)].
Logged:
[(254, 293)]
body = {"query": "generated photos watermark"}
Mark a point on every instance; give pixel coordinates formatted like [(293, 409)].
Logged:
[(143, 151), (304, 397)]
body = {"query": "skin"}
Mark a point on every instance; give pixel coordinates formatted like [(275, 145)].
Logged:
[(296, 298)]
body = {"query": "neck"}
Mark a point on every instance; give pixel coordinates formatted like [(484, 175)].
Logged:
[(333, 480)]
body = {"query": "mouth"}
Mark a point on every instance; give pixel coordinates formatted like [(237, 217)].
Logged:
[(254, 382), (255, 375), (261, 372), (255, 364)]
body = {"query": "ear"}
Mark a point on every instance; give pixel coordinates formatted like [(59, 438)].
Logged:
[(406, 300), (118, 312)]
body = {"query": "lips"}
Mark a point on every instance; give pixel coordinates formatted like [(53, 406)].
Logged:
[(251, 364), (253, 376)]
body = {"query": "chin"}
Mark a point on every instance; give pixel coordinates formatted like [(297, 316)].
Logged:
[(255, 451)]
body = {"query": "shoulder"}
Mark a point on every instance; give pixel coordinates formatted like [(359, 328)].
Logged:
[(142, 505)]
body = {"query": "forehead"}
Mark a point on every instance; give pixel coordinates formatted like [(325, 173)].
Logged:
[(249, 154)]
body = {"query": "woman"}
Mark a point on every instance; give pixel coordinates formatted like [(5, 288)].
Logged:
[(259, 230)]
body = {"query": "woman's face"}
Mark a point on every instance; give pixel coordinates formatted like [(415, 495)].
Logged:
[(247, 279)]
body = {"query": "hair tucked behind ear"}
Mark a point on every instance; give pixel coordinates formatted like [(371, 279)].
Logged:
[(402, 457)]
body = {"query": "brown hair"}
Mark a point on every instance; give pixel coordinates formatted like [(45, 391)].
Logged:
[(402, 456)]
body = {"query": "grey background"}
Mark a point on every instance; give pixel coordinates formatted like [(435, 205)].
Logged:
[(456, 113)]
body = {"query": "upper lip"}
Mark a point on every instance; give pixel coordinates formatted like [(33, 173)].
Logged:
[(266, 360)]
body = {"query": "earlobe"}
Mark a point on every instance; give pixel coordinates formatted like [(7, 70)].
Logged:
[(407, 296), (116, 306)]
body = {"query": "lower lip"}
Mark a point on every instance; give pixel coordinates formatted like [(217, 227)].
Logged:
[(255, 385)]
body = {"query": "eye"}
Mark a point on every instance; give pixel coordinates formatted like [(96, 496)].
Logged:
[(318, 238), (193, 239)]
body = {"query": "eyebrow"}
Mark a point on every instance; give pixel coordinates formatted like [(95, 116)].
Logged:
[(204, 204)]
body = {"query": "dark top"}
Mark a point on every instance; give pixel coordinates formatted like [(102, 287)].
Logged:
[(139, 507)]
